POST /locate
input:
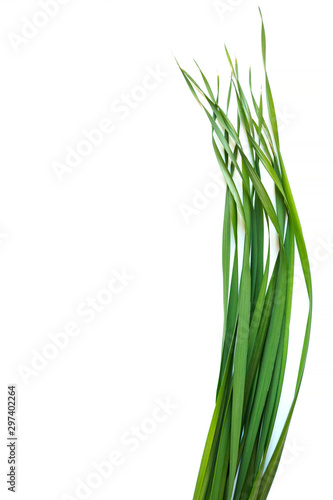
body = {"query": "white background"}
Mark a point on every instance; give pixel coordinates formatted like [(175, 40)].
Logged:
[(121, 209)]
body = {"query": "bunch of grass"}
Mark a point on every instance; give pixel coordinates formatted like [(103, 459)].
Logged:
[(237, 461)]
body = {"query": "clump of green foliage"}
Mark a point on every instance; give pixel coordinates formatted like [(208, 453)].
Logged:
[(257, 295)]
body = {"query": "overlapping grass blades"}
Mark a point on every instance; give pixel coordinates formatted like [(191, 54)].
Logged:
[(257, 303)]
